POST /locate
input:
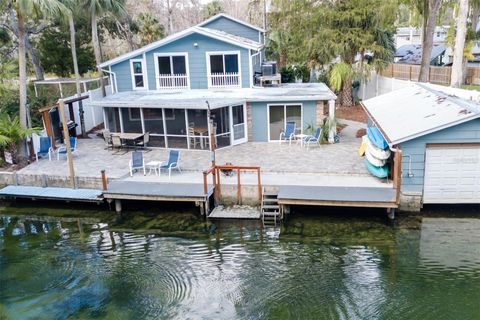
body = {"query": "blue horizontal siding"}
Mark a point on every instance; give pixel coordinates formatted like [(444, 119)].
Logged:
[(123, 74), (233, 27), (468, 132)]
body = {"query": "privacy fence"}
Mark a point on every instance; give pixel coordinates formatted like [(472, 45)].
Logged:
[(437, 75)]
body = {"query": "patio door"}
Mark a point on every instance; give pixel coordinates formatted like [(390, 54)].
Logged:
[(279, 115), (237, 114)]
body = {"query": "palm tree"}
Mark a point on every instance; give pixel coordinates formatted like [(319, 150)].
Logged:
[(20, 10), (96, 9), (12, 134), (149, 28)]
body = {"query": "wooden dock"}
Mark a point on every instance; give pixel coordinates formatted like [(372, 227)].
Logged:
[(51, 193), (366, 197)]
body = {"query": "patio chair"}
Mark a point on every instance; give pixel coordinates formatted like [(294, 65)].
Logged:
[(45, 147), (194, 140), (145, 141), (117, 143), (107, 137), (137, 162), (289, 133), (63, 150), (173, 162), (315, 139)]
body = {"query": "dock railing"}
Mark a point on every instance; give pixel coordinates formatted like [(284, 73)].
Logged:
[(238, 170)]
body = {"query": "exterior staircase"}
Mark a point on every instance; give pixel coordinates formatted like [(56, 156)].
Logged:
[(270, 210)]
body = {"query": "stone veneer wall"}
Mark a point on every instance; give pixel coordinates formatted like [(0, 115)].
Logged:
[(249, 122)]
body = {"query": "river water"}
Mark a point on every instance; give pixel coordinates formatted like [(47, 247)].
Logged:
[(174, 265)]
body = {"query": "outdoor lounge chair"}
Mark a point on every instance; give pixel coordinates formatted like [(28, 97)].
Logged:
[(289, 133), (44, 148), (63, 150), (137, 162), (145, 141), (315, 139), (173, 162), (117, 143), (107, 136)]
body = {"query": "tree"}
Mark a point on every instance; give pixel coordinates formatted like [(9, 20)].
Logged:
[(20, 11), (12, 134), (430, 11), (97, 9), (458, 53), (211, 9), (149, 28)]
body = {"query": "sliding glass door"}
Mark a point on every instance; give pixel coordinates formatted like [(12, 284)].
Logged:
[(279, 115)]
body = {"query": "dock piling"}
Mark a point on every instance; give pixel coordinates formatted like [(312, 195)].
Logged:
[(104, 181), (391, 213), (118, 206)]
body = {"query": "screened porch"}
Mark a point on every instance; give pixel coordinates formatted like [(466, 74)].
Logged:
[(183, 128)]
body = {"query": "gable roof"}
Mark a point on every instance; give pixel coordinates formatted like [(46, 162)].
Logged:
[(412, 53), (421, 109), (223, 15), (214, 34)]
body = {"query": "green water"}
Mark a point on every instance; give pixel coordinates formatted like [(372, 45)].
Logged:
[(54, 265)]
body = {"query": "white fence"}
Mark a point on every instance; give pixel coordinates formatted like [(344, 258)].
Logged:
[(378, 85)]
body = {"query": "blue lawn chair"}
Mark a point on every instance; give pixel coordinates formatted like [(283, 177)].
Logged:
[(173, 162), (289, 133), (63, 150), (137, 162), (45, 148), (315, 139)]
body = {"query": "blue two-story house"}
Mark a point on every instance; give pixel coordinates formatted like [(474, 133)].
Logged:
[(166, 87)]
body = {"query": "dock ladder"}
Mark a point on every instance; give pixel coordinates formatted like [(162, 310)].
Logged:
[(270, 209)]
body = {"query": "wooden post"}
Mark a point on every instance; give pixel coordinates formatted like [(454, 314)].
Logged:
[(218, 189), (239, 188), (397, 173), (259, 184), (205, 187), (104, 181), (63, 118)]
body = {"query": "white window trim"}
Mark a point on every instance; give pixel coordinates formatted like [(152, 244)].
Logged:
[(284, 115), (133, 74), (217, 53), (131, 118), (171, 54)]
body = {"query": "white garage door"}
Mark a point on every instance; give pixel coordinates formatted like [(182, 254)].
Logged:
[(452, 175)]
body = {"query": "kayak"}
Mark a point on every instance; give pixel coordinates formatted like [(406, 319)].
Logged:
[(377, 152), (379, 172), (374, 161), (376, 138), (363, 147)]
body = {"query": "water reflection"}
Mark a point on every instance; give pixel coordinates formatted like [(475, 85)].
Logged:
[(316, 268)]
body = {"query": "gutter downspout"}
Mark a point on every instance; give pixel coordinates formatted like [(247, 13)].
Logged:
[(114, 84)]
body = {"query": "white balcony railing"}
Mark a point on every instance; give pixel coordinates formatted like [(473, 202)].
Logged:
[(172, 81), (224, 80)]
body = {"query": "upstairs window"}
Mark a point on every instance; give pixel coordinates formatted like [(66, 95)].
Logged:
[(223, 69), (138, 75), (172, 71)]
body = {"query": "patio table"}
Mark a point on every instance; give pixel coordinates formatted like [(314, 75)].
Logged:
[(301, 137), (153, 165), (129, 137)]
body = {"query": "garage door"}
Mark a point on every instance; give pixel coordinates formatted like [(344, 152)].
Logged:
[(452, 175)]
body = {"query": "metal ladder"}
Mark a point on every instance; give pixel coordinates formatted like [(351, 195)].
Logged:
[(270, 210)]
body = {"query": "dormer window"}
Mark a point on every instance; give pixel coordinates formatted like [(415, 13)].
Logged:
[(138, 74)]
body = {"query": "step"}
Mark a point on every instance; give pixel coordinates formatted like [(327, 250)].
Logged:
[(270, 194), (270, 200), (271, 207), (271, 214)]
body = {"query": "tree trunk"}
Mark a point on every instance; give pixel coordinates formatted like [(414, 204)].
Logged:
[(97, 50), (73, 47), (475, 14), (22, 69), (346, 94), (33, 54), (169, 17), (427, 43), (458, 50)]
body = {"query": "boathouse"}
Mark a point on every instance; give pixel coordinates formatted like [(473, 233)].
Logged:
[(166, 88), (437, 130)]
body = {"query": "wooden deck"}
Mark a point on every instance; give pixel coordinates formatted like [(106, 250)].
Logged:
[(51, 193), (338, 196), (154, 191)]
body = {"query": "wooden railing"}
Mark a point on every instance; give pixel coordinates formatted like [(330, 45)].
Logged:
[(215, 171), (438, 75), (224, 80), (172, 81)]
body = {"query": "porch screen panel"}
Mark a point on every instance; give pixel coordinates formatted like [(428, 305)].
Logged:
[(131, 120), (277, 121), (231, 63), (154, 125), (221, 123), (216, 64), (176, 128), (238, 122), (179, 65), (112, 118), (294, 114), (164, 66), (198, 129)]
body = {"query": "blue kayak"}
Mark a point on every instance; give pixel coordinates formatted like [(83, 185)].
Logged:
[(376, 138), (379, 172)]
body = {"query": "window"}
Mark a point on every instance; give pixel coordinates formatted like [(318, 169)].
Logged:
[(138, 78), (134, 114), (223, 69), (171, 70), (224, 63)]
